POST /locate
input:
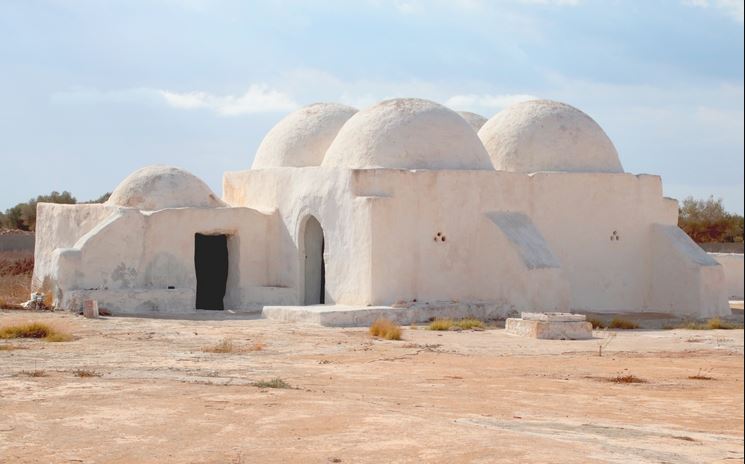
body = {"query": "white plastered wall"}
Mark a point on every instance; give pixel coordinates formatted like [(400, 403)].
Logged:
[(733, 267), (381, 224), (134, 261), (324, 193)]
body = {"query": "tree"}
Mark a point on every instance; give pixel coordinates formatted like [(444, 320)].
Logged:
[(707, 221), (23, 215)]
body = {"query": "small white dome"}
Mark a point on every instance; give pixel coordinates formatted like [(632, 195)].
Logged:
[(302, 137), (158, 187), (544, 135), (475, 120), (407, 133)]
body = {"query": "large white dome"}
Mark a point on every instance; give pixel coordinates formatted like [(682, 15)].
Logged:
[(407, 133), (302, 137), (158, 187), (475, 120), (543, 135)]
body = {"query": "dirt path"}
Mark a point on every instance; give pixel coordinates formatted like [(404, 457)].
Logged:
[(434, 397)]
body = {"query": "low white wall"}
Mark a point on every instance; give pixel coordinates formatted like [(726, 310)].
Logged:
[(734, 273)]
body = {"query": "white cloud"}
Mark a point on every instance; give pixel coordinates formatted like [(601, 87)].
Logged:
[(478, 102), (735, 9), (257, 99)]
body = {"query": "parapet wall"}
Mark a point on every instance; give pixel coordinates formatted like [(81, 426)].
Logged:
[(734, 273)]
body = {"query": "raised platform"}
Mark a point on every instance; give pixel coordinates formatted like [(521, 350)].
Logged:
[(361, 316), (550, 326)]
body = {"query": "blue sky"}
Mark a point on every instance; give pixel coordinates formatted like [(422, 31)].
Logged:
[(93, 89)]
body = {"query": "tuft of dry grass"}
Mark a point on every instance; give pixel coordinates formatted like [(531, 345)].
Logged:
[(441, 324), (36, 373), (468, 323), (713, 324), (385, 328), (86, 373), (596, 323), (701, 375), (626, 378), (273, 383), (257, 346), (35, 330), (226, 345), (624, 324)]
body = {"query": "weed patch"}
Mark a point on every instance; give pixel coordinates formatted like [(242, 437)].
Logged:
[(385, 329), (35, 330), (626, 378), (86, 373), (273, 383), (623, 324)]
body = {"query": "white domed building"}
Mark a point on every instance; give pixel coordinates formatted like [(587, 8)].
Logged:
[(405, 209)]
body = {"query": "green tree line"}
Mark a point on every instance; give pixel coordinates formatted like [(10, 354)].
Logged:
[(23, 215), (706, 221)]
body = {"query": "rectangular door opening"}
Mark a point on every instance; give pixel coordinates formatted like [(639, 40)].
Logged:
[(211, 266)]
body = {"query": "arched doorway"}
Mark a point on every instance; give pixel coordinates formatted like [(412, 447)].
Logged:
[(315, 268)]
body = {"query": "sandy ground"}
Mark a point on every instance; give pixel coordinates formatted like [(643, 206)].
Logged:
[(479, 397)]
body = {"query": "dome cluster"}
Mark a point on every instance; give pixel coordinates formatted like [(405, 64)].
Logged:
[(410, 133)]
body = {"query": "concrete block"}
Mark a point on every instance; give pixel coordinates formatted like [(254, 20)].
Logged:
[(554, 317), (549, 330), (90, 309)]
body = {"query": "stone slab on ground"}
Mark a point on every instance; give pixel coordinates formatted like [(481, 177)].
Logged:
[(549, 330), (554, 317), (361, 316)]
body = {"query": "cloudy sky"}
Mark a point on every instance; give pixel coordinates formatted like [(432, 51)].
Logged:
[(93, 89)]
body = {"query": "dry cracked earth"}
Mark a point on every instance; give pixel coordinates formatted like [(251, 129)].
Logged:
[(137, 390)]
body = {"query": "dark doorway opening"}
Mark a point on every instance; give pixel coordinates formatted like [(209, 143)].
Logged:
[(211, 265), (315, 267)]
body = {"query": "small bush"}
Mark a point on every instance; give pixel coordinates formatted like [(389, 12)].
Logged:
[(35, 330), (441, 324), (470, 323), (273, 383), (713, 324), (624, 324), (386, 329), (596, 323), (225, 346), (85, 373), (700, 377), (258, 346), (627, 378)]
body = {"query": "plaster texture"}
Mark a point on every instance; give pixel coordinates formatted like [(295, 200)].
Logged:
[(404, 212), (734, 273), (407, 133), (548, 329), (302, 137), (543, 135)]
